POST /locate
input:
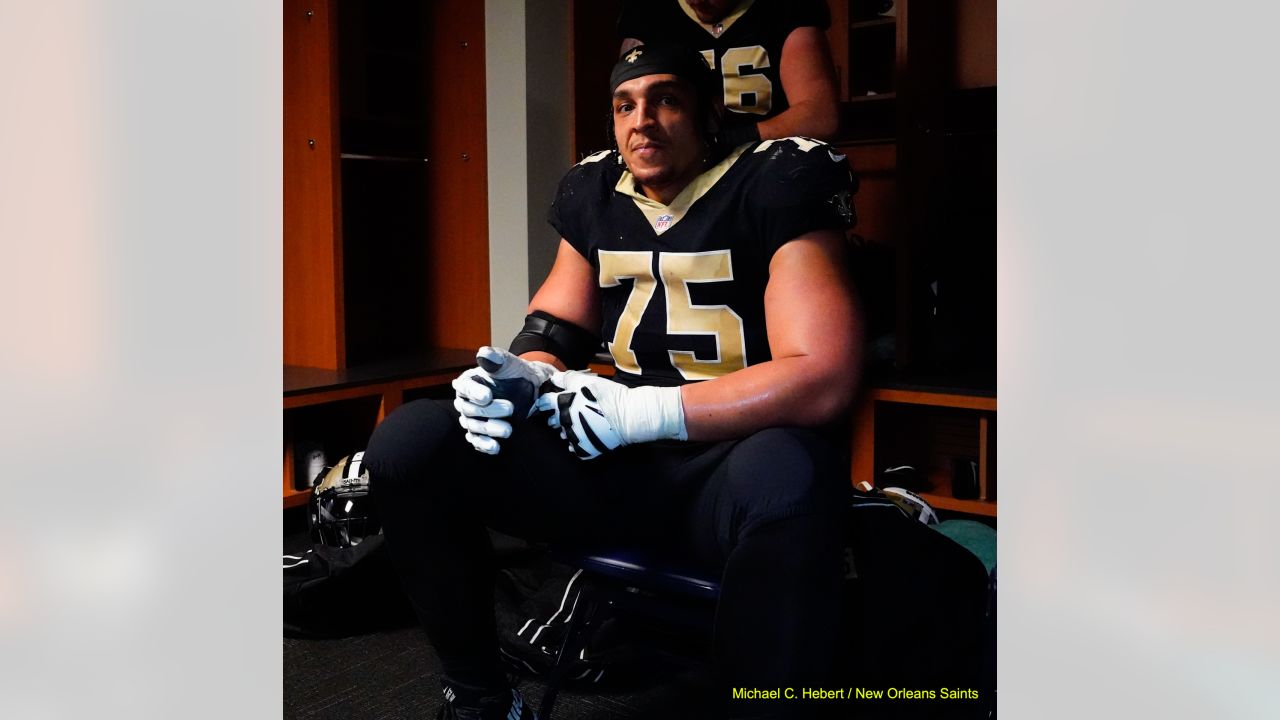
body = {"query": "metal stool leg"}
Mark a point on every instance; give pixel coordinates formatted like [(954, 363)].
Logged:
[(576, 635)]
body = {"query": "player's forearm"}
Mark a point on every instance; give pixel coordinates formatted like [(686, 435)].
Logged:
[(546, 357), (791, 391), (814, 118)]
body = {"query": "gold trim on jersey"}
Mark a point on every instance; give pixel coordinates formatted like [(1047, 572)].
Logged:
[(664, 217), (805, 144), (595, 157), (724, 24)]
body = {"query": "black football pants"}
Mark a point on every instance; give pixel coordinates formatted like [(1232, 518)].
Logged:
[(765, 509)]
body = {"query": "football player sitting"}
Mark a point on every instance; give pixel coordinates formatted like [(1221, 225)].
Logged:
[(714, 276)]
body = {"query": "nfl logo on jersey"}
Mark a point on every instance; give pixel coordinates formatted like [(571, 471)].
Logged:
[(662, 222)]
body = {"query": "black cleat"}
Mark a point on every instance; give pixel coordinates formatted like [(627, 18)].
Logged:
[(474, 704)]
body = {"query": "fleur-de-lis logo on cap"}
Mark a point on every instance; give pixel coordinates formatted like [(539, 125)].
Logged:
[(631, 56)]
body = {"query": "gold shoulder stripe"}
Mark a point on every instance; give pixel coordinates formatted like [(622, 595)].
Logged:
[(664, 217), (805, 144), (724, 24), (595, 157)]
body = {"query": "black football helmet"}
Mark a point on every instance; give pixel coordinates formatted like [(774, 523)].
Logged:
[(341, 515)]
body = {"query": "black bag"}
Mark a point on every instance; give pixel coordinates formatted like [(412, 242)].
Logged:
[(336, 592), (918, 608)]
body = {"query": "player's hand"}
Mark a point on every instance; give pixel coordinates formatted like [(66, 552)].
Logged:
[(596, 415), (500, 390)]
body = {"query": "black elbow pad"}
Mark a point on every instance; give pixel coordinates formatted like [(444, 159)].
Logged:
[(545, 332)]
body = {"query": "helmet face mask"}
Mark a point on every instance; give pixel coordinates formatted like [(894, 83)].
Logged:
[(340, 513)]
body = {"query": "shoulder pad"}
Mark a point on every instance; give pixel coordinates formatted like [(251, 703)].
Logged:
[(597, 169), (798, 146), (791, 172), (595, 157)]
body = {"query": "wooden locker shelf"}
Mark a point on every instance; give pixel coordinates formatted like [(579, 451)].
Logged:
[(319, 390), (980, 403), (385, 254)]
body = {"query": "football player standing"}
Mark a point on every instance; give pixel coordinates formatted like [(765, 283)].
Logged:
[(715, 276)]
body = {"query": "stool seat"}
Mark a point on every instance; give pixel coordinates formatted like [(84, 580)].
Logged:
[(640, 580), (645, 569)]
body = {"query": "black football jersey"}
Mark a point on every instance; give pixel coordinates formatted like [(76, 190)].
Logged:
[(745, 47), (682, 285)]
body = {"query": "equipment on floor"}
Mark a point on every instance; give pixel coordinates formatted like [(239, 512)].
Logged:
[(341, 514), (339, 581)]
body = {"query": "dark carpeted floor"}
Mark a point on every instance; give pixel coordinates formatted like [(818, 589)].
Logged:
[(393, 674)]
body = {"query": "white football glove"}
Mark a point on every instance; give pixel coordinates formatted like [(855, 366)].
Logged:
[(502, 387), (597, 415)]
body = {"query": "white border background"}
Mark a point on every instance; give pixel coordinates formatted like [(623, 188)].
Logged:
[(140, 220), (1139, 412)]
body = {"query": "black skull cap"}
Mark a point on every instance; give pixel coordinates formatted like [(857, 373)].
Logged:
[(682, 62)]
